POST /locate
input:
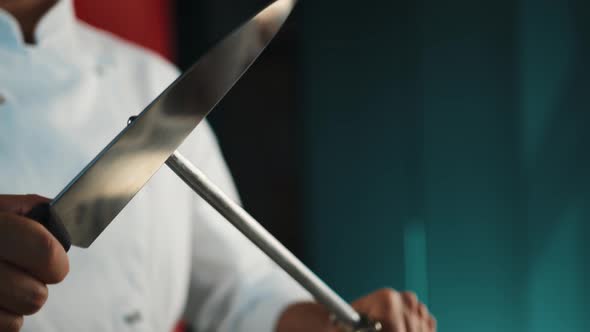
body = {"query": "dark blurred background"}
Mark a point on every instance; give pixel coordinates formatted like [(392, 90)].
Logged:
[(438, 146)]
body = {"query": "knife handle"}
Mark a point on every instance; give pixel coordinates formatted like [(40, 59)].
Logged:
[(41, 213)]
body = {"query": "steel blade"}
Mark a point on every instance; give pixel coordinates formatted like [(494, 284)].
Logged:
[(99, 193)]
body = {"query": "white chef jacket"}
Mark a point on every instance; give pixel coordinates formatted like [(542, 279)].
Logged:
[(168, 255)]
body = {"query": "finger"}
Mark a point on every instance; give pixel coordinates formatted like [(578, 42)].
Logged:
[(390, 312), (411, 301), (423, 318), (412, 322), (432, 324), (10, 322), (385, 306), (20, 293), (20, 204), (422, 311), (29, 246), (427, 320)]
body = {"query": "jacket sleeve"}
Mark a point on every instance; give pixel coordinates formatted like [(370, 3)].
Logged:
[(233, 285)]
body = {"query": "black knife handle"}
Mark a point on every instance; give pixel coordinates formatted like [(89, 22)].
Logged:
[(41, 213)]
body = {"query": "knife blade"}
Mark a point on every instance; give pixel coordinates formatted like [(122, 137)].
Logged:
[(90, 202)]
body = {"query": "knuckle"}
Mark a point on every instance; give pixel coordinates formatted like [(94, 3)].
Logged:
[(6, 218), (422, 310), (35, 197), (387, 293), (35, 299), (411, 295), (47, 252), (49, 258), (411, 299), (14, 324), (389, 299), (433, 323)]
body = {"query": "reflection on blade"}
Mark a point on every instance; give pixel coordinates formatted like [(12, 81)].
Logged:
[(97, 195)]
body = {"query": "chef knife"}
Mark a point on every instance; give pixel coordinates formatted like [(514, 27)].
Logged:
[(94, 198), (88, 204)]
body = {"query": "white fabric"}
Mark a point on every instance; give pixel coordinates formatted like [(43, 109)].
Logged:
[(168, 253)]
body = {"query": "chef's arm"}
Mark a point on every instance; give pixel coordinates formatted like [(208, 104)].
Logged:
[(396, 312)]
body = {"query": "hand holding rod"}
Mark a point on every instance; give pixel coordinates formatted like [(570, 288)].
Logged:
[(246, 224)]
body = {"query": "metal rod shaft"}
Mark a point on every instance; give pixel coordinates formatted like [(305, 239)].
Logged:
[(246, 224)]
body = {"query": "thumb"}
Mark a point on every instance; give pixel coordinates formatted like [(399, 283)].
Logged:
[(20, 204)]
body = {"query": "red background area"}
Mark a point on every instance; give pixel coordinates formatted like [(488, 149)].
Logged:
[(144, 22)]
